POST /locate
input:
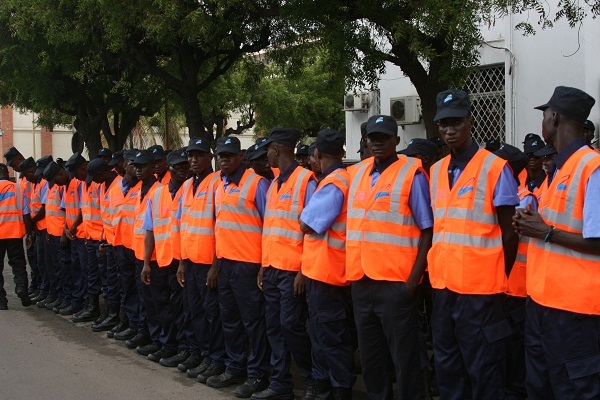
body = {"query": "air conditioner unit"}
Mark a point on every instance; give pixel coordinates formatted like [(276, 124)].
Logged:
[(358, 102), (406, 110)]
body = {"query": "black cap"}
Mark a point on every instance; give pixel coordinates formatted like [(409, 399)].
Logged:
[(311, 149), (438, 141), (382, 124), (157, 152), (545, 151), (532, 143), (363, 130), (198, 144), (330, 142), (129, 155), (11, 154), (570, 102), (255, 151), (105, 152), (26, 165), (41, 164), (142, 157), (452, 103), (95, 166), (492, 145), (177, 157), (261, 140), (420, 146), (517, 160), (50, 172), (285, 136), (302, 150), (74, 162), (589, 125), (228, 144), (116, 158)]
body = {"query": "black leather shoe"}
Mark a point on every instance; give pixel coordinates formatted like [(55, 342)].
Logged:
[(35, 295), (194, 372), (191, 362), (251, 386), (270, 394), (120, 327), (100, 318), (88, 314), (68, 311), (42, 303), (148, 349), (111, 320), (175, 360), (51, 305), (24, 296), (213, 370), (57, 308), (127, 334), (138, 340), (162, 353), (223, 380)]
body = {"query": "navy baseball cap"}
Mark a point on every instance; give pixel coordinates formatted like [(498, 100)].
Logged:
[(452, 103), (517, 160), (177, 157), (116, 158), (382, 124), (41, 164), (493, 145), (26, 165), (129, 155), (157, 152), (142, 157), (228, 144), (420, 146), (545, 151), (532, 143), (11, 154), (199, 144), (50, 172), (285, 136), (96, 166), (570, 102), (302, 150), (105, 152), (589, 125), (74, 162), (330, 141), (255, 151)]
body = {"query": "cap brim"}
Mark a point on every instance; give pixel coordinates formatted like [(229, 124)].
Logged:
[(39, 171), (450, 113), (89, 179), (257, 153), (22, 174), (114, 162), (266, 143), (50, 183), (545, 151), (542, 107), (192, 148), (228, 149)]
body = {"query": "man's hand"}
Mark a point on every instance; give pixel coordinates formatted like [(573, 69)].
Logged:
[(145, 275), (181, 274), (412, 288), (259, 278), (29, 241), (69, 234), (102, 249), (299, 285), (211, 277), (64, 241), (528, 222)]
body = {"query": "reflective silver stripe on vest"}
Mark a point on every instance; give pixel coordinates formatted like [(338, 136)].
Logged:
[(294, 212), (331, 242), (522, 258), (161, 236), (567, 217), (393, 239), (239, 227), (10, 218), (139, 231), (354, 235), (565, 251), (9, 208), (463, 213), (467, 240), (286, 233), (53, 213), (196, 230), (237, 210)]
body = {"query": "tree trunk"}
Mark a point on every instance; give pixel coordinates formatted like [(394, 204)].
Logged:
[(90, 127)]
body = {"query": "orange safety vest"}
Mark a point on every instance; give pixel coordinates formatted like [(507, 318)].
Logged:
[(108, 207), (352, 169), (282, 238), (176, 226), (139, 233), (516, 279), (36, 203), (238, 226), (24, 189), (467, 255), (55, 216), (11, 211), (72, 207), (125, 216), (165, 179), (557, 276), (162, 205), (324, 256), (382, 239), (90, 210), (198, 219)]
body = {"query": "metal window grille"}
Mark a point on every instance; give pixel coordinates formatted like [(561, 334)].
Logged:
[(486, 87)]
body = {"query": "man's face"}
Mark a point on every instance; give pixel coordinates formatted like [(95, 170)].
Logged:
[(62, 178), (588, 135), (198, 160), (130, 170), (382, 145), (160, 166), (14, 164), (99, 178), (30, 175), (456, 132), (105, 158), (229, 162), (549, 126), (315, 165), (144, 171), (303, 160), (261, 165), (534, 166), (81, 171), (272, 154), (120, 167), (547, 161), (179, 172)]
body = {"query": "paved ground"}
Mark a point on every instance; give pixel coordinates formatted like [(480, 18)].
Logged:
[(45, 356)]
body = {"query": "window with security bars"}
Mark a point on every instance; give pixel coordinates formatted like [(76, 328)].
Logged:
[(486, 87)]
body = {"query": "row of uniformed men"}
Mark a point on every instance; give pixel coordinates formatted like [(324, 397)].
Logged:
[(374, 226)]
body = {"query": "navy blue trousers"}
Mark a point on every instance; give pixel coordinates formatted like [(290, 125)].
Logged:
[(33, 268), (562, 354), (96, 269), (185, 331), (79, 273), (331, 333), (242, 309), (515, 350), (286, 316), (387, 328), (16, 258), (43, 261), (61, 260), (111, 281), (130, 298), (204, 313), (167, 297), (469, 344)]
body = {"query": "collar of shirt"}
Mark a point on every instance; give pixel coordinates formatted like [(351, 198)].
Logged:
[(537, 182), (384, 164), (160, 176), (460, 161), (333, 167), (285, 175), (562, 157), (236, 177), (147, 185)]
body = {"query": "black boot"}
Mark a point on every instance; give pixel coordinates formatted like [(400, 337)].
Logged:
[(120, 327), (22, 294), (91, 312), (111, 320)]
